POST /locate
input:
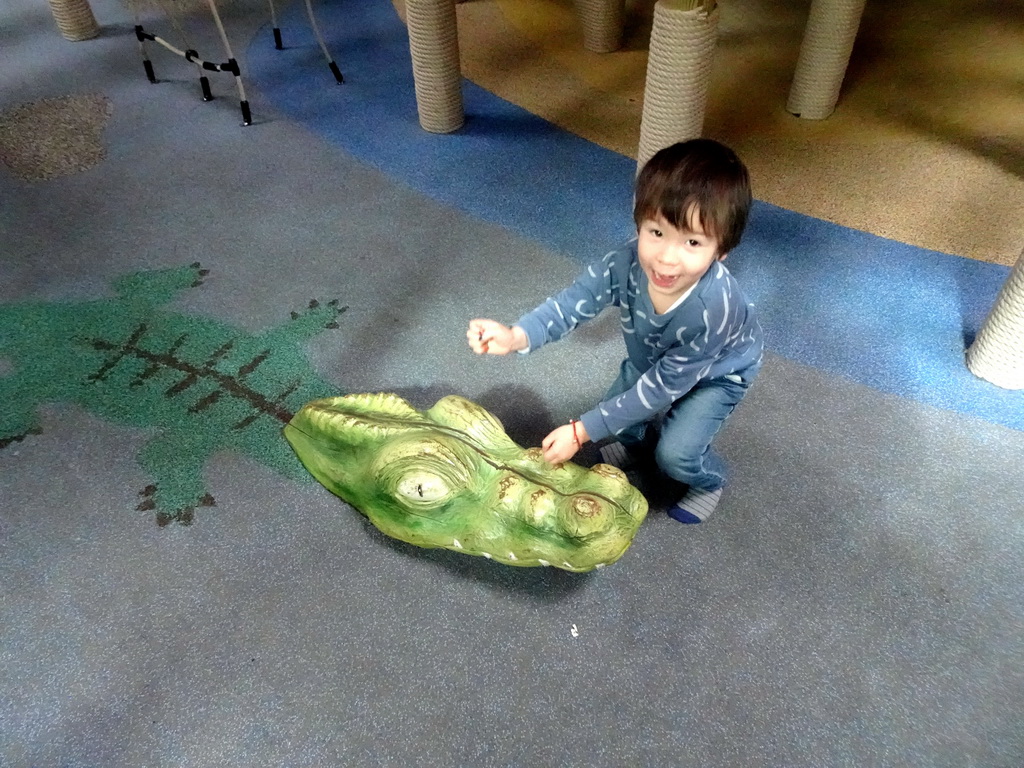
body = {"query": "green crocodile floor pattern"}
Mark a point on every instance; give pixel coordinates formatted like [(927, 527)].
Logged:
[(204, 385)]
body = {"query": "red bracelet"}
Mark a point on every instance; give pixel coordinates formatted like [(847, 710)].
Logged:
[(575, 437)]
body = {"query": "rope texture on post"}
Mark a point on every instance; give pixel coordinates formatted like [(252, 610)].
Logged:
[(602, 24), (997, 354), (824, 54), (678, 75), (74, 19), (437, 73)]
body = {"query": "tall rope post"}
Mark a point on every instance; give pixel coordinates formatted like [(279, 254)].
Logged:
[(824, 55), (602, 24), (436, 70), (74, 19), (682, 49), (997, 354)]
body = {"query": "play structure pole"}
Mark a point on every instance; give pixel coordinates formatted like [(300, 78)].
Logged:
[(232, 64), (997, 354), (437, 74), (74, 19), (682, 48), (824, 54), (602, 24)]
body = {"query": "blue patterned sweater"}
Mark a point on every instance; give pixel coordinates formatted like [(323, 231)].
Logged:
[(714, 332)]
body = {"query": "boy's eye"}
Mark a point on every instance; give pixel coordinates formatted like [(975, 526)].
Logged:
[(656, 232), (693, 243)]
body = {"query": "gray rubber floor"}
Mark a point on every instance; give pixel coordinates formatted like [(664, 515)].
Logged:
[(857, 600)]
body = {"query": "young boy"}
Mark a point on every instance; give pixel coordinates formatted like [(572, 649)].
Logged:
[(693, 341)]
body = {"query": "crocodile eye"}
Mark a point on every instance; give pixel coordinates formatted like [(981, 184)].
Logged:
[(423, 486), (422, 474)]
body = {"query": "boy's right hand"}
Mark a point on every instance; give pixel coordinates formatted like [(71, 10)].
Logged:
[(492, 338)]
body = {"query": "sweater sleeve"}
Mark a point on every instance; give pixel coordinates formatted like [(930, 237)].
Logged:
[(591, 292), (673, 375)]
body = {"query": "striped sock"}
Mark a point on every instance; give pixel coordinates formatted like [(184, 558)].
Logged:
[(616, 455), (695, 506)]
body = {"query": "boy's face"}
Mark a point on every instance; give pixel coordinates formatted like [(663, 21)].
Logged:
[(674, 259)]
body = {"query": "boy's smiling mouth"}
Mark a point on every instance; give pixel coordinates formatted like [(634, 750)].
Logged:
[(662, 281)]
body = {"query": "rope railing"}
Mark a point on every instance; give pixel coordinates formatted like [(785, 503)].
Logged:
[(191, 55), (231, 65), (279, 43)]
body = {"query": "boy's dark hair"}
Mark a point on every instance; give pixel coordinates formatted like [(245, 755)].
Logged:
[(699, 172)]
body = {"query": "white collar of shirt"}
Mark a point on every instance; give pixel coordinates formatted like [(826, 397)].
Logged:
[(681, 299)]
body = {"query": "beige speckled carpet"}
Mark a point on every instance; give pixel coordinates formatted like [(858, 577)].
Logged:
[(926, 145), (54, 137)]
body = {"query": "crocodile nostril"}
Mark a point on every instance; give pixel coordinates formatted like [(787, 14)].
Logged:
[(585, 506)]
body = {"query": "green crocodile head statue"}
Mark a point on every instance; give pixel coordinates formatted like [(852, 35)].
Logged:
[(450, 477)]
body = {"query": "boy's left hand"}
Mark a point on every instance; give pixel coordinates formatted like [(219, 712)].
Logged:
[(560, 445)]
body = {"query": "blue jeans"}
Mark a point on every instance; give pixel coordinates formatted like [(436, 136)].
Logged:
[(683, 449)]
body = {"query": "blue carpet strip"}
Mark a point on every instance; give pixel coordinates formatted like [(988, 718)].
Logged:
[(889, 315)]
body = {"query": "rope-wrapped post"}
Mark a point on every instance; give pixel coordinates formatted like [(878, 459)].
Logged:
[(74, 19), (997, 354), (682, 48), (824, 54), (434, 45), (602, 24)]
